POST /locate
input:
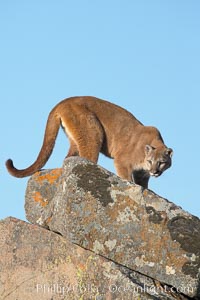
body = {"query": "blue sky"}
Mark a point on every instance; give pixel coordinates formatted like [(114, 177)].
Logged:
[(142, 55)]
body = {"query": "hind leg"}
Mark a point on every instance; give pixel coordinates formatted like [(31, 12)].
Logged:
[(90, 138), (84, 131), (73, 150)]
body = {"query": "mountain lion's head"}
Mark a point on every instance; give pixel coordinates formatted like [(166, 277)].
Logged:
[(157, 160)]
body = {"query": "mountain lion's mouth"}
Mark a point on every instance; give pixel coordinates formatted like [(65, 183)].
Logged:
[(156, 174)]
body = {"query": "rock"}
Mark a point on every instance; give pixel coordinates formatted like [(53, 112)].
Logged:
[(120, 221), (38, 264), (41, 189)]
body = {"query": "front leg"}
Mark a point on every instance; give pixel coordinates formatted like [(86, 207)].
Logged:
[(123, 170)]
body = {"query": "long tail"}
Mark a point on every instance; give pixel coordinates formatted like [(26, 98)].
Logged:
[(51, 131)]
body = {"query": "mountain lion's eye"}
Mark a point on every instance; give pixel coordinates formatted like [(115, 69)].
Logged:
[(150, 162)]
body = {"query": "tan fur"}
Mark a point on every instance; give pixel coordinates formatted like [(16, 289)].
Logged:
[(93, 126)]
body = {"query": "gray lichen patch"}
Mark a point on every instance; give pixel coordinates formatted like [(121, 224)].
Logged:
[(154, 216), (93, 180)]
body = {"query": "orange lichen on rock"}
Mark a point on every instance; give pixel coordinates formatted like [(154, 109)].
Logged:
[(48, 219), (51, 176), (38, 198)]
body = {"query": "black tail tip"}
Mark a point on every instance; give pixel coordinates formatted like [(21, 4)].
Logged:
[(9, 164)]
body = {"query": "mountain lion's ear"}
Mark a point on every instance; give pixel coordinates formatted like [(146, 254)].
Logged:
[(169, 152), (148, 149)]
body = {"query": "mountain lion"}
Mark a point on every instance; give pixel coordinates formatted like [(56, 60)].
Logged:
[(93, 126)]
